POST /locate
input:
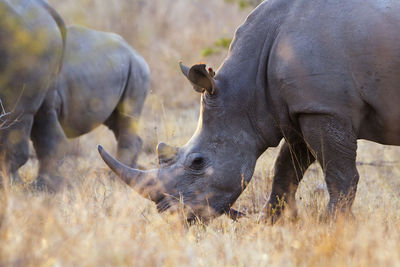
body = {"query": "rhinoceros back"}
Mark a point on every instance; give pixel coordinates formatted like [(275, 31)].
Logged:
[(95, 72), (31, 49), (340, 58)]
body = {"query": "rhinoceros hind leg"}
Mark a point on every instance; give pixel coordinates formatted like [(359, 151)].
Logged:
[(124, 121), (293, 160), (334, 144), (125, 131), (129, 147), (51, 145)]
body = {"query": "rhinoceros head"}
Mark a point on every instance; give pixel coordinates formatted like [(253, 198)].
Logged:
[(209, 173)]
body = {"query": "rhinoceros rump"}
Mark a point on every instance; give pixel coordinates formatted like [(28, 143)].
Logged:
[(32, 39), (103, 81), (318, 73)]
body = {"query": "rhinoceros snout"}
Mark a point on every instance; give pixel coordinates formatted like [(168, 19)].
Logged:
[(166, 153)]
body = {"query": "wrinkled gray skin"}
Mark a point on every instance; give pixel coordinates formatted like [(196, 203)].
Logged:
[(318, 73), (32, 39), (103, 81)]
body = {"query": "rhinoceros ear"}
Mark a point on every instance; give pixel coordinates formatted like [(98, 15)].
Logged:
[(199, 77)]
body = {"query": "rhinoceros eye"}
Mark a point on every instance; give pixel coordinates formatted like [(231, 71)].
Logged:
[(196, 161)]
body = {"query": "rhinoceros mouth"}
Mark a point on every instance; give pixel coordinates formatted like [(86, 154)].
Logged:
[(192, 214), (164, 204)]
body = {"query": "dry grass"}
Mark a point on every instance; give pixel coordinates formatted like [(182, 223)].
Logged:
[(100, 222)]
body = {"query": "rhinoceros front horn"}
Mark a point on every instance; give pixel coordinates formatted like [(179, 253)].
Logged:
[(146, 183)]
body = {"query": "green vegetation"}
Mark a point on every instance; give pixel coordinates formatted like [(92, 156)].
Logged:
[(245, 3), (220, 44), (223, 43)]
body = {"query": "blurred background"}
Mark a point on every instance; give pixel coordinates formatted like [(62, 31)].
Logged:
[(105, 223), (164, 32)]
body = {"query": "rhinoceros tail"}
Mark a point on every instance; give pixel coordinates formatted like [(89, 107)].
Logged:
[(61, 26)]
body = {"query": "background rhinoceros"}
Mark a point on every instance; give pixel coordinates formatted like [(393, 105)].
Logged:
[(32, 37), (320, 74), (103, 81)]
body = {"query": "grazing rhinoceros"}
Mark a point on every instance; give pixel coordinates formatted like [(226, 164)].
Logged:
[(103, 81), (32, 38), (318, 73)]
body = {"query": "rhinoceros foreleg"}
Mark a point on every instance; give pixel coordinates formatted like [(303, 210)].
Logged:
[(334, 144), (50, 144), (293, 160), (14, 146)]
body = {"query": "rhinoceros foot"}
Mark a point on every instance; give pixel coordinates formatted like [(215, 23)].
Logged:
[(48, 183)]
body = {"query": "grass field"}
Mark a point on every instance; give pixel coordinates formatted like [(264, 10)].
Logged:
[(99, 221)]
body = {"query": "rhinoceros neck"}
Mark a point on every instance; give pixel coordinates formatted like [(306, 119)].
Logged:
[(246, 67)]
